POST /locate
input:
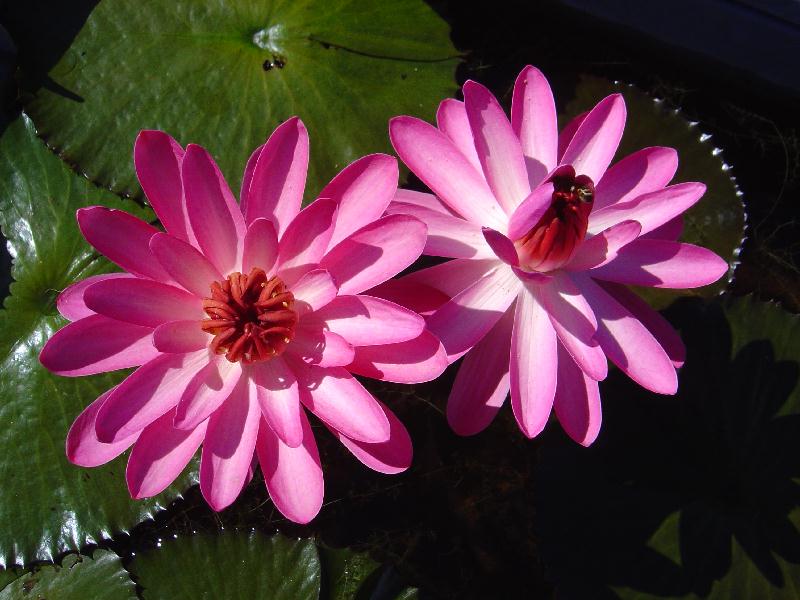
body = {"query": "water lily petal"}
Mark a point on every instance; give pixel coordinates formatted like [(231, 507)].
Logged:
[(70, 303), (597, 138), (413, 361), (603, 247), (83, 447), (180, 337), (185, 264), (279, 399), (642, 172), (260, 246), (313, 290), (577, 401), (533, 119), (304, 242), (205, 393)]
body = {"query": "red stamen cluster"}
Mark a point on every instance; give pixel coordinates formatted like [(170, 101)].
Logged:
[(250, 316), (551, 242)]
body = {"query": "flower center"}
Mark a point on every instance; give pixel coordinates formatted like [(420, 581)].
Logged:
[(251, 317), (550, 243)]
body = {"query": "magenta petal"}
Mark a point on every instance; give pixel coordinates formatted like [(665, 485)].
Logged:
[(663, 264), (530, 211), (467, 317), (215, 217), (228, 446), (502, 247), (413, 361), (532, 276), (362, 191), (650, 210), (453, 276), (419, 297), (645, 171), (603, 247), (303, 243), (185, 264), (452, 120), (367, 321), (342, 402), (671, 230), (142, 302), (314, 345), (122, 238), (70, 302), (448, 235), (433, 158), (206, 392), (497, 145), (313, 290), (628, 343), (423, 200), (390, 457), (482, 382), (153, 389), (577, 402), (160, 454), (279, 398), (260, 246), (97, 344), (533, 365), (293, 475), (566, 135), (247, 177), (533, 118), (279, 176), (83, 447), (597, 139), (158, 166), (180, 337), (375, 253)]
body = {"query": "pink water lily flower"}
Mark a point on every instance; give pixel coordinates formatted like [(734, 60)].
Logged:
[(240, 317), (545, 237)]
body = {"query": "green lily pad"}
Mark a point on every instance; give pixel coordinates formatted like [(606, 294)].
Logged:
[(48, 505), (718, 220), (348, 575), (101, 577), (9, 575), (224, 74), (693, 496)]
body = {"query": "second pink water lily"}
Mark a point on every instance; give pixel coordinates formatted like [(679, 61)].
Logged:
[(545, 237)]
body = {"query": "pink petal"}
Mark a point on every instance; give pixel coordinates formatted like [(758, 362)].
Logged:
[(453, 276), (502, 247), (658, 326), (534, 363), (650, 210), (304, 242), (628, 343), (229, 445), (533, 119), (452, 120), (645, 171), (423, 199), (390, 457), (83, 448), (160, 454), (367, 321), (413, 361), (482, 382), (122, 238), (180, 337), (315, 346), (530, 211), (532, 276), (158, 166), (70, 302), (153, 389), (342, 402), (247, 177), (97, 344), (433, 158), (497, 145), (142, 302), (671, 230), (421, 298), (566, 135), (279, 398), (279, 176), (313, 290), (375, 253), (260, 246), (185, 264), (577, 402), (603, 247), (447, 235), (293, 475), (575, 324), (463, 321), (215, 217), (597, 139), (663, 264), (206, 392), (362, 191)]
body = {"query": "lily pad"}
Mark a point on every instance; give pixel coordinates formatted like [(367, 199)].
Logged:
[(692, 496), (718, 220), (348, 575), (47, 505), (100, 577), (224, 74)]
